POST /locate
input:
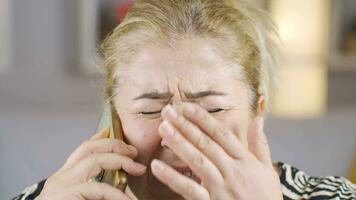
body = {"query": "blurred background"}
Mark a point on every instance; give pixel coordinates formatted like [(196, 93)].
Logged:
[(50, 90)]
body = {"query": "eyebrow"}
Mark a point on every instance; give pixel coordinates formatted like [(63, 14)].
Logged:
[(204, 94), (154, 95), (167, 95)]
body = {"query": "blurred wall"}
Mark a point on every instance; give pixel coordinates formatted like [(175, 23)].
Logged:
[(44, 38), (47, 107), (43, 98)]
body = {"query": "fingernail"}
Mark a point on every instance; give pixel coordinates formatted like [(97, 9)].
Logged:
[(188, 109), (156, 164), (167, 129), (170, 112), (131, 148)]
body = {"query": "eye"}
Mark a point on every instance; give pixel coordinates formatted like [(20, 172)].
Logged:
[(215, 110), (150, 112), (159, 111)]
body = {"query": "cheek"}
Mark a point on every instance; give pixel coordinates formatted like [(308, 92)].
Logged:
[(238, 122), (143, 134)]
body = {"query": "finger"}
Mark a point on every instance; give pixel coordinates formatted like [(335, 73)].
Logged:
[(98, 191), (103, 133), (257, 141), (189, 154), (215, 129), (179, 183), (92, 165), (104, 145), (199, 139)]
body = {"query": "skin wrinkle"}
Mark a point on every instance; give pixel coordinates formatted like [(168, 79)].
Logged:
[(242, 33), (208, 69), (158, 68), (182, 47)]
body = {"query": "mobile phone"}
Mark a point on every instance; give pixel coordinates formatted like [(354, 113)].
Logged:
[(111, 120)]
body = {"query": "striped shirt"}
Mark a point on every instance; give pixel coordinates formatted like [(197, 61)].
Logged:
[(295, 185)]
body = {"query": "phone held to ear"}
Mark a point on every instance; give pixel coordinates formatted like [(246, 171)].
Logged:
[(109, 118)]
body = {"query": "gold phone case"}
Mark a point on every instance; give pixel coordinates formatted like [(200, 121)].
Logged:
[(109, 118)]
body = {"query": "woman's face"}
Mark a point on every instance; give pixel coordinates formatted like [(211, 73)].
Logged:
[(159, 75)]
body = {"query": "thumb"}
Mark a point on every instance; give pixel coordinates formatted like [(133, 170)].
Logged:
[(257, 141)]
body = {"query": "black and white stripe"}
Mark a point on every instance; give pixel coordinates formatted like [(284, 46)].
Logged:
[(32, 192), (296, 185)]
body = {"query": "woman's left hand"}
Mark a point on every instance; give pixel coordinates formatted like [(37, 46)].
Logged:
[(227, 169)]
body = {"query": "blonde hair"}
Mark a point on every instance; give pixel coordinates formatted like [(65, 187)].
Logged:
[(245, 34)]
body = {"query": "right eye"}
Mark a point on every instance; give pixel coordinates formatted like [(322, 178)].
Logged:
[(150, 112), (216, 110)]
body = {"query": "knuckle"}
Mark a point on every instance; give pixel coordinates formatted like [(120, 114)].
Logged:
[(198, 160), (220, 132), (93, 158), (182, 122), (102, 186), (124, 160), (116, 145), (85, 145), (95, 162), (202, 116), (127, 160), (204, 143), (189, 189)]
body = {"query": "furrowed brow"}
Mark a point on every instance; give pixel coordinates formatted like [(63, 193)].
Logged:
[(167, 95), (154, 95)]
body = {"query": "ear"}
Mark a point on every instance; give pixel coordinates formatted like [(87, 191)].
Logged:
[(261, 106)]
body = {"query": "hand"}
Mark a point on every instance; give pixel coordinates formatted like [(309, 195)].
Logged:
[(227, 169), (87, 161)]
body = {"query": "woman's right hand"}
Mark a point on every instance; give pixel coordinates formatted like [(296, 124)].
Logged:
[(71, 182)]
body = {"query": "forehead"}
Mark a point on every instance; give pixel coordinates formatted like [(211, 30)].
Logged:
[(194, 64)]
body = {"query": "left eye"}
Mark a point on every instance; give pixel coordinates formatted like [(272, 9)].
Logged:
[(158, 111), (215, 110)]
